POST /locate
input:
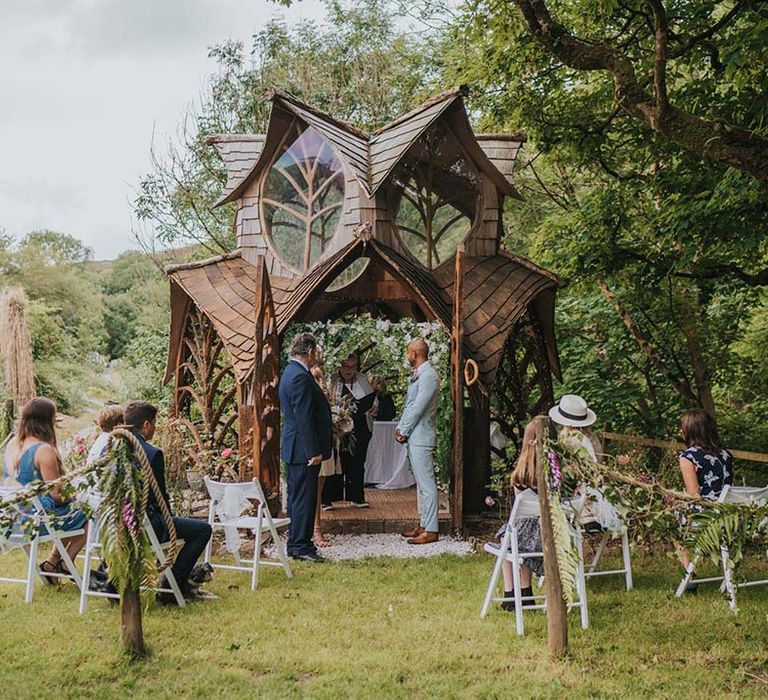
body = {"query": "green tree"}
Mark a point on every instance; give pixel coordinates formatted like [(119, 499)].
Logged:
[(663, 246)]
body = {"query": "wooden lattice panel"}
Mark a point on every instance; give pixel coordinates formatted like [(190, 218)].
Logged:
[(523, 387)]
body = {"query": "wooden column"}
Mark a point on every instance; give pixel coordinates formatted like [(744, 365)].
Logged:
[(477, 454), (557, 622), (457, 390)]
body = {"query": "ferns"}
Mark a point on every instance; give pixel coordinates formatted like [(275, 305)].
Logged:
[(566, 553), (126, 546)]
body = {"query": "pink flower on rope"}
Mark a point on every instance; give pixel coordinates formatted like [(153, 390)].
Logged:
[(129, 516), (79, 449), (226, 453), (489, 501), (554, 468), (623, 460)]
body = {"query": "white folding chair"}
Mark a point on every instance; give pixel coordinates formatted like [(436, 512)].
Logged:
[(36, 518), (729, 494), (93, 553), (228, 501), (608, 516), (526, 505)]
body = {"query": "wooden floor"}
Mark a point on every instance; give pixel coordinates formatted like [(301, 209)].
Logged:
[(390, 511)]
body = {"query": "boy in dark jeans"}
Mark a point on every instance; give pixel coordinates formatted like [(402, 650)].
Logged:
[(141, 416)]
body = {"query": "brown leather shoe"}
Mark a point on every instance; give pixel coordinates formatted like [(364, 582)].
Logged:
[(413, 532), (424, 538)]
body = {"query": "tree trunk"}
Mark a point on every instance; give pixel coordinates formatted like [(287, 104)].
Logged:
[(557, 621), (131, 631), (722, 143)]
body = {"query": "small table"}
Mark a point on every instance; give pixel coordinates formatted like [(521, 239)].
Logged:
[(386, 463)]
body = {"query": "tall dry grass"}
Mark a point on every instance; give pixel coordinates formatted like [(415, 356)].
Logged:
[(16, 346)]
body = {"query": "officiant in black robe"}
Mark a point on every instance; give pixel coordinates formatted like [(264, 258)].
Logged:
[(352, 386)]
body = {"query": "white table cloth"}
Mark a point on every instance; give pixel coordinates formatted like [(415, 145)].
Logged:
[(386, 463)]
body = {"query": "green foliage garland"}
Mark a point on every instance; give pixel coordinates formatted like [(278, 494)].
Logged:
[(125, 544), (565, 549)]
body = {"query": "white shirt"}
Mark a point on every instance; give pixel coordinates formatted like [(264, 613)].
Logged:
[(96, 449)]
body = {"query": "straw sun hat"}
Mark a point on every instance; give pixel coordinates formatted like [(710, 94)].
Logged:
[(572, 410)]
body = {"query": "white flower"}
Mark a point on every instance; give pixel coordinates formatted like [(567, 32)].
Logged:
[(383, 324)]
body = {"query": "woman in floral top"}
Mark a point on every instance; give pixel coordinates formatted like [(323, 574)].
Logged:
[(706, 466)]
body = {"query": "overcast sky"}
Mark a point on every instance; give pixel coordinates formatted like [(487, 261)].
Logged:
[(83, 84)]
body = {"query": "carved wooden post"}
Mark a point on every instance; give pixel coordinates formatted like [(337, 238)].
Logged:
[(246, 420), (457, 389), (264, 393), (557, 622)]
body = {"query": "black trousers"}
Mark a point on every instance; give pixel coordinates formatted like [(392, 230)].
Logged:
[(195, 534), (302, 503), (353, 464)]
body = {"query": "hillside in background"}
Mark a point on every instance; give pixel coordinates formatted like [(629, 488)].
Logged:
[(98, 327)]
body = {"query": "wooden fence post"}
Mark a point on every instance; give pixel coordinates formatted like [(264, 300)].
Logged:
[(131, 631), (557, 622)]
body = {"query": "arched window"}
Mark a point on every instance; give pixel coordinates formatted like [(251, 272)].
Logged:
[(434, 195), (302, 198)]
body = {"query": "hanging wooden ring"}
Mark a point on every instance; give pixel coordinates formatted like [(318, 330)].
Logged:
[(471, 372)]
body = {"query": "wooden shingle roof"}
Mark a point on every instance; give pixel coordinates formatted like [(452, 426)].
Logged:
[(390, 143), (498, 290), (371, 158), (239, 152), (224, 289)]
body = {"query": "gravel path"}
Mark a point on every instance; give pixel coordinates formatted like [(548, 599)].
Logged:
[(390, 545)]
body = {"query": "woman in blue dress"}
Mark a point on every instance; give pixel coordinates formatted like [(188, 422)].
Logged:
[(706, 466), (33, 456)]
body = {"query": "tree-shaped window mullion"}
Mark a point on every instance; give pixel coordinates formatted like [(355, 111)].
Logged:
[(435, 191), (302, 198)]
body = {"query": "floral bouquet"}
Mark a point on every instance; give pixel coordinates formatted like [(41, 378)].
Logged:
[(76, 452), (343, 424), (341, 416)]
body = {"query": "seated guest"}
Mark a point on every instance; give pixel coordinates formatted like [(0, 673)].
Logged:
[(33, 456), (574, 417), (141, 417), (109, 418), (385, 408), (706, 466), (528, 529)]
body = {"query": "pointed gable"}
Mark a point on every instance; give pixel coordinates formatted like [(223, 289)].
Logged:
[(390, 143)]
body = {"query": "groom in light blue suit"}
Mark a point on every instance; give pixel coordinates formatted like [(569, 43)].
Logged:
[(417, 430)]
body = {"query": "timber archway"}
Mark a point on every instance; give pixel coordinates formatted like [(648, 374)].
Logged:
[(429, 255)]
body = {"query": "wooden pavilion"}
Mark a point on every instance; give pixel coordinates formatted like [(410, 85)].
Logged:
[(330, 220)]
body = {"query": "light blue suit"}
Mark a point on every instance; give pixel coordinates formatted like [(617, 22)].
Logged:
[(418, 425)]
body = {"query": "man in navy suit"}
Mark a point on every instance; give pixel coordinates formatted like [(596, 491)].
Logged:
[(306, 442), (142, 416)]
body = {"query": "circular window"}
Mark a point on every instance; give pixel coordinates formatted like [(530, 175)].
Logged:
[(302, 199), (434, 195)]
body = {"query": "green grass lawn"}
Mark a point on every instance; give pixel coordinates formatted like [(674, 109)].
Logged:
[(387, 628)]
